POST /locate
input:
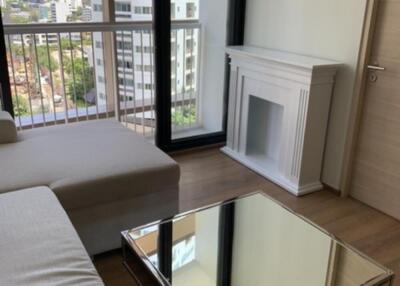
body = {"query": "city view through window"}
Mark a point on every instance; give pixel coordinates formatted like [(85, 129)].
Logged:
[(61, 73)]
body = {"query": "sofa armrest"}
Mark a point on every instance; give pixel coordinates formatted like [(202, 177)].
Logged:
[(8, 130)]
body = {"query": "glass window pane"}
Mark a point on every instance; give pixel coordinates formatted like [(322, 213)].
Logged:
[(40, 11), (197, 66), (133, 10), (135, 53)]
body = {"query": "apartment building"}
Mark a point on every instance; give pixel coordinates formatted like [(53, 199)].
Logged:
[(86, 14), (74, 5), (60, 10), (135, 52)]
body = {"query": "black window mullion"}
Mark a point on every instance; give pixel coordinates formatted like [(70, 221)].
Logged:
[(234, 37), (165, 245), (236, 21), (6, 99), (226, 228), (162, 59)]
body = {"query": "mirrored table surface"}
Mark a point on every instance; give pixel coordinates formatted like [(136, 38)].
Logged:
[(251, 240)]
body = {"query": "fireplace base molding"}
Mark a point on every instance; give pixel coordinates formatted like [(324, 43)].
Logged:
[(273, 176), (278, 113)]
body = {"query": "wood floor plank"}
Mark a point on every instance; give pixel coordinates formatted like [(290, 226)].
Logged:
[(208, 176)]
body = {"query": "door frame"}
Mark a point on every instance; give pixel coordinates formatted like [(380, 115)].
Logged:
[(358, 100)]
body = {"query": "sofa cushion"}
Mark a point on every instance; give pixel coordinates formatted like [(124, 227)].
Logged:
[(38, 243), (87, 164), (8, 131)]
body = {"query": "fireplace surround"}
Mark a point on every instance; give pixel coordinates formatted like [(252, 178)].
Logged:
[(278, 114)]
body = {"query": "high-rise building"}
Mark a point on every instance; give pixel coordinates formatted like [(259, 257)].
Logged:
[(60, 10), (135, 51), (98, 52), (86, 14), (74, 4), (44, 12)]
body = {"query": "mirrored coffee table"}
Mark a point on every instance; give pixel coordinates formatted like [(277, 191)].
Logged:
[(251, 240)]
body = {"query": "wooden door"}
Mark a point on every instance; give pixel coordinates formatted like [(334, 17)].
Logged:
[(376, 173)]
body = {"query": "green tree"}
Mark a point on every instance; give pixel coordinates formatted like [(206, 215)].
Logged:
[(34, 16), (83, 78), (76, 15), (183, 116), (16, 50), (21, 107), (43, 59), (16, 19), (42, 55), (66, 44)]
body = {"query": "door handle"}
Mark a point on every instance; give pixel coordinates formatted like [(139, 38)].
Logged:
[(375, 68)]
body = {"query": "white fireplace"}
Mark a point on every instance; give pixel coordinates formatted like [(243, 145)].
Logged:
[(278, 114)]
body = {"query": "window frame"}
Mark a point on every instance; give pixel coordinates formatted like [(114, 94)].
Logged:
[(162, 26), (162, 60)]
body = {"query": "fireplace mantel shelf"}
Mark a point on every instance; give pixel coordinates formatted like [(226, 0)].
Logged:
[(281, 57)]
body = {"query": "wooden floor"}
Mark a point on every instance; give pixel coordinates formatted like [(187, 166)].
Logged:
[(209, 176)]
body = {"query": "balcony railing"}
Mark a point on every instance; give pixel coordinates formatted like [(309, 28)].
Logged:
[(63, 73)]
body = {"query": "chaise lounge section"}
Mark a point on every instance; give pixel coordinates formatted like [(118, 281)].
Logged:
[(106, 177)]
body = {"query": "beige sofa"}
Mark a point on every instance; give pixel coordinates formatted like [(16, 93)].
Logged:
[(105, 176), (38, 244)]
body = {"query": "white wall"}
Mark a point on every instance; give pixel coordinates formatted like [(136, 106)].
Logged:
[(322, 28)]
